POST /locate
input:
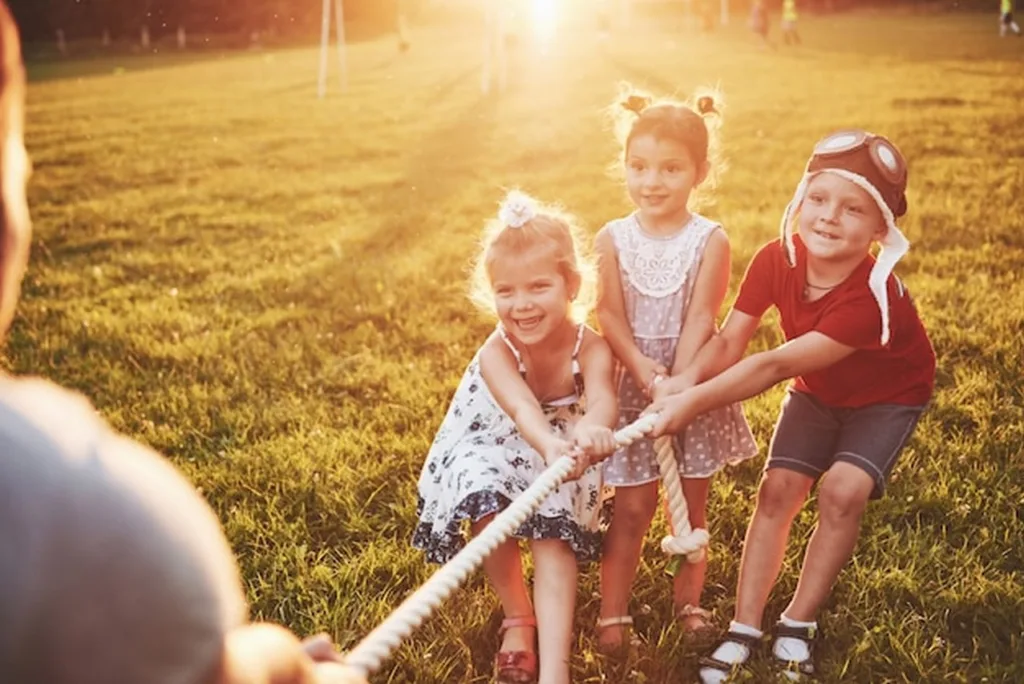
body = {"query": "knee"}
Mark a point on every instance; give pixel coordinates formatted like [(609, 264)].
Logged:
[(635, 513), (781, 494), (838, 503)]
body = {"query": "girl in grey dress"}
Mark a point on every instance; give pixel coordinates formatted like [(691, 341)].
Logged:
[(664, 271)]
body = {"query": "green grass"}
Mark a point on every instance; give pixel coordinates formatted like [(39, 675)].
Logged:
[(269, 289)]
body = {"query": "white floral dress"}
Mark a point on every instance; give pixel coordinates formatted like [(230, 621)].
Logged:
[(479, 463), (658, 275)]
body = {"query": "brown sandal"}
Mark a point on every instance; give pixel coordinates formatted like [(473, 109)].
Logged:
[(629, 639), (516, 667), (689, 614)]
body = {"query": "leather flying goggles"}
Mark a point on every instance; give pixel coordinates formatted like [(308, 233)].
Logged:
[(884, 156)]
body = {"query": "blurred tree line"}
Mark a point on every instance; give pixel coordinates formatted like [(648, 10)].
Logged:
[(122, 20), (127, 20)]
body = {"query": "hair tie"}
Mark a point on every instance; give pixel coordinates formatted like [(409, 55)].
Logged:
[(706, 105), (517, 210), (636, 103)]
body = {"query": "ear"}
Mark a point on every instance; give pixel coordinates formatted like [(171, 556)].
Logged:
[(572, 285), (702, 172)]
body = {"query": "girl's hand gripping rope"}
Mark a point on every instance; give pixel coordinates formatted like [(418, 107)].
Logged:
[(597, 442)]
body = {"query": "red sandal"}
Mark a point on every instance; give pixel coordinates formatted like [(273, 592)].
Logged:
[(516, 667)]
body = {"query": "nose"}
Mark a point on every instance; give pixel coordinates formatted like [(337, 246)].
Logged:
[(651, 178), (521, 302), (830, 213)]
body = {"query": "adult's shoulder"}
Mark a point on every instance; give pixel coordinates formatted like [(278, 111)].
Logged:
[(36, 414)]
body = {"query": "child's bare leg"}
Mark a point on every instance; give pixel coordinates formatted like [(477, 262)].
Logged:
[(779, 498), (504, 568), (842, 499), (554, 589), (781, 495), (843, 496), (689, 582), (634, 510)]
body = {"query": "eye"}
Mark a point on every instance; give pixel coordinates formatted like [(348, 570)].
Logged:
[(855, 209), (673, 168), (502, 291), (815, 198), (540, 286), (636, 166)]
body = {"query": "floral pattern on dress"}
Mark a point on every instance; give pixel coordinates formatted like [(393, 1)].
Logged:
[(479, 463)]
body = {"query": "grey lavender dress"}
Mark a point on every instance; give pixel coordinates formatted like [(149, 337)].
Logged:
[(658, 276)]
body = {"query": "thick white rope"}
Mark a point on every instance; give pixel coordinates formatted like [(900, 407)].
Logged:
[(377, 646), (686, 541)]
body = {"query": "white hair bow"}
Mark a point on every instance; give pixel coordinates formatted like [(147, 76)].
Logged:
[(517, 209)]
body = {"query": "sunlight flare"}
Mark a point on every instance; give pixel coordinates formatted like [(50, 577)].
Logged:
[(544, 15)]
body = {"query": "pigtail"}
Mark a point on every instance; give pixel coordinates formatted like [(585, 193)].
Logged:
[(636, 103), (709, 104), (626, 109)]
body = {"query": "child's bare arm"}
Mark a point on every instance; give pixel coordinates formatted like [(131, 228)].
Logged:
[(721, 351), (593, 433), (701, 320), (748, 378), (597, 365), (611, 313), (500, 372)]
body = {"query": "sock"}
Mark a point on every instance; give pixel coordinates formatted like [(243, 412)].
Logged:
[(791, 649), (729, 652)]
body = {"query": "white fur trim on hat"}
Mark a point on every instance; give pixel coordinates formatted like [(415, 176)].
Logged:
[(894, 244)]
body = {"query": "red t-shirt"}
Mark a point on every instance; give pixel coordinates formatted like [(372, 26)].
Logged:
[(901, 372)]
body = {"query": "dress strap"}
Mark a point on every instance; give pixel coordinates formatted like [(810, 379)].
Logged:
[(577, 372), (515, 352)]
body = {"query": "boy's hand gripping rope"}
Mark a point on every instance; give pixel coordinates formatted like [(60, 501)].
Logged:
[(368, 655)]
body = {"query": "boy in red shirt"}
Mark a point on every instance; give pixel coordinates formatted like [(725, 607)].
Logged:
[(863, 371)]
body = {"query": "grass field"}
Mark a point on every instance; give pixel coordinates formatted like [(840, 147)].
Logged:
[(269, 289)]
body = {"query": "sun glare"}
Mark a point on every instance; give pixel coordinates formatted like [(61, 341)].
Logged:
[(545, 17)]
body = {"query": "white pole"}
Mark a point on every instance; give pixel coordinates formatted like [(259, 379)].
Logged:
[(725, 12), (485, 76), (499, 43), (325, 38), (339, 7)]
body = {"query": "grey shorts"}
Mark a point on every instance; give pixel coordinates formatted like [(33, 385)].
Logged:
[(810, 436)]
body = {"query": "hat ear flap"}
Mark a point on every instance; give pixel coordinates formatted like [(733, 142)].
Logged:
[(902, 208), (788, 217)]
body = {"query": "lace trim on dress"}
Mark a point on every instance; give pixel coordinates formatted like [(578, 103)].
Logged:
[(657, 267)]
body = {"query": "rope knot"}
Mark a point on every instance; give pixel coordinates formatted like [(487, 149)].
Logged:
[(691, 545)]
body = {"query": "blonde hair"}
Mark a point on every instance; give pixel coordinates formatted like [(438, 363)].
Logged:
[(539, 227), (695, 124)]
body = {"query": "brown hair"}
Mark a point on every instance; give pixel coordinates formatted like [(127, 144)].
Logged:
[(695, 124)]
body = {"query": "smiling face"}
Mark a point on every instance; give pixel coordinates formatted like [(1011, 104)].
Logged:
[(660, 175), (531, 294), (838, 219)]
